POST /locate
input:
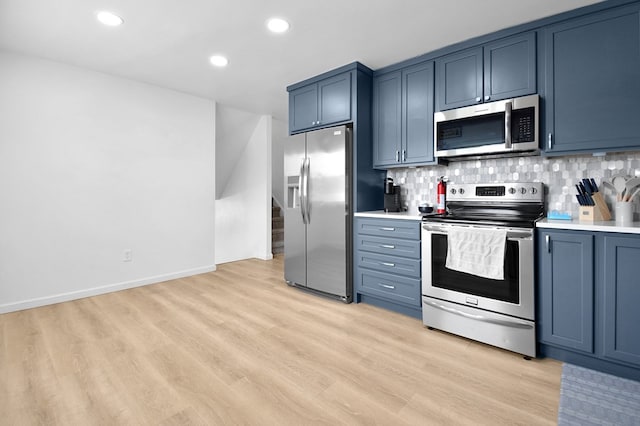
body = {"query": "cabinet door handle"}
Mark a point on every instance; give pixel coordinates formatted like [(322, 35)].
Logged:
[(547, 240), (397, 156), (487, 97), (387, 286), (387, 246), (391, 265), (478, 99), (404, 155), (387, 229), (550, 141)]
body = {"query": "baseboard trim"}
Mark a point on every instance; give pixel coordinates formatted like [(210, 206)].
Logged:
[(95, 291)]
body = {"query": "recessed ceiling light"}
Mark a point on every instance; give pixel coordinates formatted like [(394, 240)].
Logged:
[(218, 61), (277, 25), (109, 18)]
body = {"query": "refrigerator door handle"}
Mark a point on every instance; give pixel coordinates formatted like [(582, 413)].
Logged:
[(306, 164), (301, 192)]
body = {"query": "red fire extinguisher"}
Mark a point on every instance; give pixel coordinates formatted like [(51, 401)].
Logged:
[(441, 198)]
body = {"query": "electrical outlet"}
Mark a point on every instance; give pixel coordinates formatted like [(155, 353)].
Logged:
[(127, 255)]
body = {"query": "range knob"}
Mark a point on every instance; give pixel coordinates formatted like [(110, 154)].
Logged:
[(512, 190), (453, 190), (533, 190), (461, 191), (523, 190)]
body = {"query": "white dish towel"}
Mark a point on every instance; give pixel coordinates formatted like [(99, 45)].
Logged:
[(477, 251)]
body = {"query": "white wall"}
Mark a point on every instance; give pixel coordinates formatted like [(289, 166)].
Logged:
[(235, 130), (243, 209), (280, 135), (91, 165)]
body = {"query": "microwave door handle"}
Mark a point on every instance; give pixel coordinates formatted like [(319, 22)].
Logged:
[(507, 124)]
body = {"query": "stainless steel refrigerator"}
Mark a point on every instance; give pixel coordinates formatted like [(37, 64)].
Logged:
[(317, 223)]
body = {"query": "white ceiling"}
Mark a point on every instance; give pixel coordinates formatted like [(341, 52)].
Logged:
[(168, 42)]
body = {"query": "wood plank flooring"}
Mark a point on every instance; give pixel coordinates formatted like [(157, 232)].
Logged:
[(238, 346)]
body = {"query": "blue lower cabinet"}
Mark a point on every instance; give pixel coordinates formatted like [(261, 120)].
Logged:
[(621, 299), (588, 297), (566, 290), (389, 286), (388, 264)]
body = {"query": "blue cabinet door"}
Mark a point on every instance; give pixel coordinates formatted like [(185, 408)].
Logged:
[(303, 108), (334, 99), (387, 119), (501, 69), (621, 298), (459, 79), (510, 67), (403, 117), (320, 104), (593, 82), (417, 114), (566, 289)]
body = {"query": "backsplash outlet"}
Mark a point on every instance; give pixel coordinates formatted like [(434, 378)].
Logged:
[(559, 174)]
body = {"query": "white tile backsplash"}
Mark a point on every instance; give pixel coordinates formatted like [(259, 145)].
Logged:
[(559, 174)]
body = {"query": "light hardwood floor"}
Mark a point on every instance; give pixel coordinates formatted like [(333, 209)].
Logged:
[(238, 346)]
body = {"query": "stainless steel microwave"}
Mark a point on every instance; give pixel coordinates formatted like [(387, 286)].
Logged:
[(502, 127)]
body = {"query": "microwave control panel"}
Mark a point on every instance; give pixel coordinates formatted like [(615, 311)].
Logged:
[(523, 125)]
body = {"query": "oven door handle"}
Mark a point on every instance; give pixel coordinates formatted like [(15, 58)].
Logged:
[(444, 232), (506, 323)]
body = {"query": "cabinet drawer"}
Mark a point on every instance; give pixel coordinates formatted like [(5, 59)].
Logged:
[(407, 229), (389, 246), (390, 287), (390, 264)]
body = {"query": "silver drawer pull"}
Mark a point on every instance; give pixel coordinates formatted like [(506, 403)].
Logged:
[(392, 287), (389, 246), (387, 229), (388, 264)]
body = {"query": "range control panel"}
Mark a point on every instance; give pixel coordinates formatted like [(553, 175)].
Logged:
[(505, 192)]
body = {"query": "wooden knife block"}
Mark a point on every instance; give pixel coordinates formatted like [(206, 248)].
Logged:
[(595, 213)]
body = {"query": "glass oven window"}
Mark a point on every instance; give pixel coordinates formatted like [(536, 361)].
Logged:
[(506, 290)]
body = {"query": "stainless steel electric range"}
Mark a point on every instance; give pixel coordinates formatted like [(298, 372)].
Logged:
[(478, 264)]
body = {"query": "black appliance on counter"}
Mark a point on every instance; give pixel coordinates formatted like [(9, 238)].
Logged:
[(392, 202)]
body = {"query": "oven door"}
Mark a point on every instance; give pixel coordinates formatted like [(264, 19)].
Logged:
[(513, 295)]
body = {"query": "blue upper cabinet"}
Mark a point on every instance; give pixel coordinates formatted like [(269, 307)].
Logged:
[(459, 79), (334, 99), (303, 107), (593, 83), (498, 70), (387, 119), (510, 67), (417, 114), (320, 104), (403, 117)]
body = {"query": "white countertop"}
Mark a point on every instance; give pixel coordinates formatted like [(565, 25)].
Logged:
[(603, 226), (381, 214)]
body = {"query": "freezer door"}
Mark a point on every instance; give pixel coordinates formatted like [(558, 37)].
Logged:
[(295, 258), (327, 210)]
